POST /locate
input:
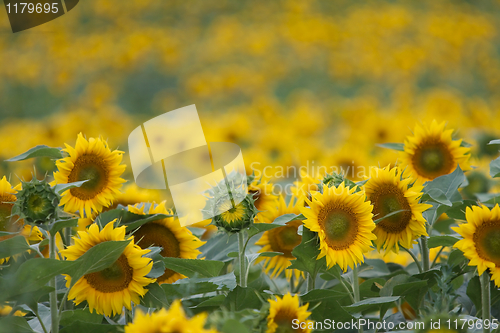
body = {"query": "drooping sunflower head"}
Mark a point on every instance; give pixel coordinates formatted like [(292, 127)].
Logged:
[(167, 233), (431, 152), (283, 239), (37, 202), (93, 161), (172, 320), (481, 239), (283, 311), (265, 199), (119, 285), (343, 220), (390, 192)]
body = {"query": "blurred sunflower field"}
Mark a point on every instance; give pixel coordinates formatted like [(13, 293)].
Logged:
[(370, 132)]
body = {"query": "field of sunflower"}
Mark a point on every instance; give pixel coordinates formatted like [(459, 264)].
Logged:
[(370, 133)]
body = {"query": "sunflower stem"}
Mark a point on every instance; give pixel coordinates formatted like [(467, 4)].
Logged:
[(53, 283), (415, 259), (311, 281), (425, 254), (355, 288), (485, 300), (242, 259)]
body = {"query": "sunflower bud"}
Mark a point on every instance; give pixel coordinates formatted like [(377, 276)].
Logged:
[(37, 202), (232, 209)]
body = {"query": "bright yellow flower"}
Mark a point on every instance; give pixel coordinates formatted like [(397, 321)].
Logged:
[(343, 220), (109, 290), (282, 239), (265, 200), (283, 311), (90, 160), (389, 191), (481, 239), (168, 321), (176, 241), (431, 152)]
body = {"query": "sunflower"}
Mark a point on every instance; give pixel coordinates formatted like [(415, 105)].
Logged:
[(265, 200), (431, 152), (9, 223), (133, 194), (389, 192), (343, 220), (173, 320), (283, 239), (282, 313), (107, 291), (90, 160), (6, 310), (167, 233), (308, 183), (481, 239)]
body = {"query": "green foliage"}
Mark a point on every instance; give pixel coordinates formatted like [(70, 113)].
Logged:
[(38, 151)]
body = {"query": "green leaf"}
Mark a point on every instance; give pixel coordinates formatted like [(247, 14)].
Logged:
[(257, 228), (456, 257), (495, 168), (388, 288), (155, 297), (319, 295), (393, 146), (97, 258), (216, 301), (131, 220), (370, 304), (38, 151), (306, 253), (13, 324), (474, 292), (194, 267), (61, 188), (242, 298), (12, 246), (437, 241), (326, 305), (284, 219), (83, 315), (31, 276), (444, 189), (234, 326), (61, 224), (79, 326)]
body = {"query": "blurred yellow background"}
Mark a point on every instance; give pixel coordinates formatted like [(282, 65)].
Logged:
[(289, 81)]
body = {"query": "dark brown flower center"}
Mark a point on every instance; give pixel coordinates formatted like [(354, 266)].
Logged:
[(115, 278), (487, 241), (285, 239), (154, 234), (339, 224), (387, 199), (432, 159), (93, 169)]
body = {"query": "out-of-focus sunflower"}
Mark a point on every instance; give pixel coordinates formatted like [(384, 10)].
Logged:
[(172, 320), (283, 239), (389, 192), (109, 290), (481, 239), (308, 183), (283, 311), (90, 160), (9, 223), (175, 241), (265, 200), (5, 310), (133, 194), (431, 152), (343, 220)]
